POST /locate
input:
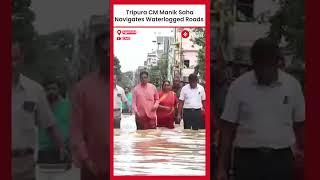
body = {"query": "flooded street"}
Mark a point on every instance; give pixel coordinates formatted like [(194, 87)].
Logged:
[(159, 152), (149, 152)]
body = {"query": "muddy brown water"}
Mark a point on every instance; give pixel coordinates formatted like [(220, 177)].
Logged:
[(159, 152)]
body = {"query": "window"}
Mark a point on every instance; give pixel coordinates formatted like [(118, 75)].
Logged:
[(186, 63), (244, 9)]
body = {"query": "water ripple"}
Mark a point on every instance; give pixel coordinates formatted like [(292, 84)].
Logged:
[(160, 152)]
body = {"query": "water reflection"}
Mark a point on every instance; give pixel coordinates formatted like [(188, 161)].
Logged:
[(159, 152)]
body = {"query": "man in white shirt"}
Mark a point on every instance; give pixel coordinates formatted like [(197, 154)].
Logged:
[(263, 118), (119, 98), (192, 101), (29, 110)]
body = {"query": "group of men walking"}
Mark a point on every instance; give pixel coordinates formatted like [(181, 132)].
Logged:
[(164, 108)]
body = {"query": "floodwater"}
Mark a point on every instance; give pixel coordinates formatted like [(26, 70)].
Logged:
[(162, 152)]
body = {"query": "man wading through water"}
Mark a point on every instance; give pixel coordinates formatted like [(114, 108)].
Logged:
[(90, 118), (145, 102), (263, 118)]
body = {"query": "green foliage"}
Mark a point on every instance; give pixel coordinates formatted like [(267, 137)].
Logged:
[(200, 40), (54, 54), (288, 22), (163, 67), (159, 73), (126, 79), (23, 29), (201, 63), (22, 19), (117, 67), (155, 76)]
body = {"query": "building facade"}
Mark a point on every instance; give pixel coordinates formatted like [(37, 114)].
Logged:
[(84, 59), (152, 60), (186, 54)]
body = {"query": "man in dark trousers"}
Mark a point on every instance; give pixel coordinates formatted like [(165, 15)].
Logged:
[(263, 118), (192, 101)]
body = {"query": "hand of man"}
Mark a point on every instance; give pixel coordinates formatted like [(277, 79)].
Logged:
[(91, 167), (128, 107), (179, 118), (298, 155), (222, 175), (62, 153), (167, 108), (154, 108), (136, 113)]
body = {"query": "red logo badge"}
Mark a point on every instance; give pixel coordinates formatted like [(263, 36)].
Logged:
[(185, 34)]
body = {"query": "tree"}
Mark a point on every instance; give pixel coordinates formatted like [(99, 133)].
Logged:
[(126, 79), (155, 75), (22, 27), (221, 25), (288, 23), (163, 67), (200, 68), (22, 19), (54, 52), (117, 67), (159, 72), (200, 40)]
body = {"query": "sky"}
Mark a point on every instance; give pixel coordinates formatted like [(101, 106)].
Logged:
[(132, 53), (53, 15)]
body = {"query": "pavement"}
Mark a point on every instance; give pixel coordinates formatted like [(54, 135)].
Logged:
[(57, 174)]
